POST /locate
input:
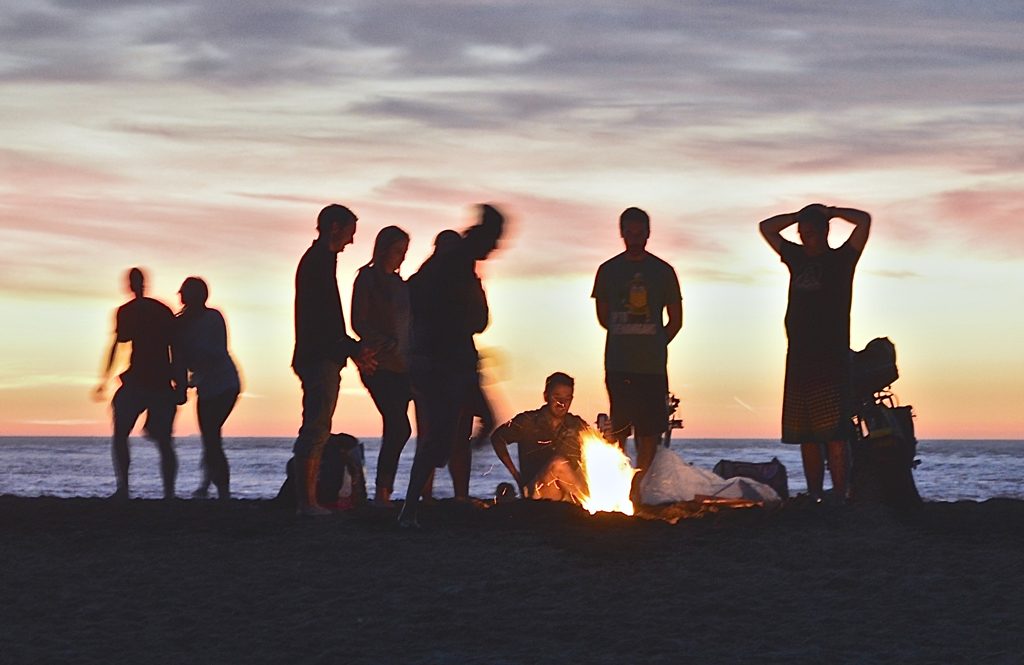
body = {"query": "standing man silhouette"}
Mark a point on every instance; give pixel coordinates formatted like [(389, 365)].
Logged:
[(633, 291), (322, 348), (154, 382), (816, 397)]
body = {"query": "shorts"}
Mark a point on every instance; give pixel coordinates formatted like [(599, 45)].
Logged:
[(638, 403), (159, 404)]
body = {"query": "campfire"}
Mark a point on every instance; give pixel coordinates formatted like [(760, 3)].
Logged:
[(609, 477)]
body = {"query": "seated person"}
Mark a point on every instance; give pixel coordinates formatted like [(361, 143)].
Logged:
[(549, 445)]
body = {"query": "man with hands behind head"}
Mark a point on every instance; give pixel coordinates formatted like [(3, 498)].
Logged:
[(816, 398)]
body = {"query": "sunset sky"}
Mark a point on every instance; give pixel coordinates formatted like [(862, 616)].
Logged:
[(202, 138)]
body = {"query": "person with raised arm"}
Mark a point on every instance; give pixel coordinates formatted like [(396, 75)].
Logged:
[(816, 395), (154, 382)]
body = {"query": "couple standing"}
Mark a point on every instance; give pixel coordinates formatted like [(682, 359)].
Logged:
[(170, 354)]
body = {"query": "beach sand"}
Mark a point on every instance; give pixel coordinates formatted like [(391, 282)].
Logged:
[(89, 581)]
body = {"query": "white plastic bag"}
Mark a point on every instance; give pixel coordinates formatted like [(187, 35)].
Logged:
[(670, 479)]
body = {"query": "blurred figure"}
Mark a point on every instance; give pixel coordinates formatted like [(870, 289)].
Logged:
[(549, 445), (382, 319), (633, 291), (322, 348), (816, 397), (153, 383), (203, 348), (449, 306), (477, 405)]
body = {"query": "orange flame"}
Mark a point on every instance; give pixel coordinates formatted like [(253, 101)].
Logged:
[(609, 476)]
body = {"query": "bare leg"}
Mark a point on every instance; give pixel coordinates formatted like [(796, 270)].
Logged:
[(125, 416), (459, 466), (814, 468), (646, 448), (122, 460), (461, 461), (168, 466), (837, 466), (427, 494), (422, 471)]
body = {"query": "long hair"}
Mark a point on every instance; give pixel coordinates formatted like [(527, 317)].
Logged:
[(386, 239)]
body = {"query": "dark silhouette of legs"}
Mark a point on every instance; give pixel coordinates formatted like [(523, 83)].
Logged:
[(461, 460), (127, 409), (320, 385), (212, 412), (440, 397), (391, 395), (814, 468), (168, 465)]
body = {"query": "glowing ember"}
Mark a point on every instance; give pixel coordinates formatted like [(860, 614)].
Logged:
[(609, 477)]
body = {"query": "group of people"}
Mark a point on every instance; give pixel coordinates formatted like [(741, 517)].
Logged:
[(415, 343), (169, 354)]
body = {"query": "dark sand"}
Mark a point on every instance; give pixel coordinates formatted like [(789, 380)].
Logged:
[(87, 581)]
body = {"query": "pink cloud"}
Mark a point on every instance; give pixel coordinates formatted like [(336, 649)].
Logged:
[(989, 218)]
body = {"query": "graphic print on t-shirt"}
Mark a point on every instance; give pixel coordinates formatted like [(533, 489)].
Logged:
[(634, 317), (809, 278), (636, 303)]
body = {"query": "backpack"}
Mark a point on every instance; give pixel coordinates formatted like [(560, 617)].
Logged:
[(342, 481), (873, 368)]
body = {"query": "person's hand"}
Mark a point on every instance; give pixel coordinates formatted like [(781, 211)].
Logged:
[(99, 393), (366, 361)]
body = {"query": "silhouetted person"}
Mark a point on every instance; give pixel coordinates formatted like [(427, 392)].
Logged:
[(154, 382), (633, 291), (449, 307), (203, 349), (382, 319), (322, 348), (816, 399), (477, 405), (549, 445)]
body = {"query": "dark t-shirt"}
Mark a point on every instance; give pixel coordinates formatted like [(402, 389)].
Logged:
[(539, 442), (320, 332), (820, 295), (448, 307), (149, 325), (637, 293)]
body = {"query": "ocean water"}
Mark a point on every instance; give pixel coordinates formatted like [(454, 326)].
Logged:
[(81, 466)]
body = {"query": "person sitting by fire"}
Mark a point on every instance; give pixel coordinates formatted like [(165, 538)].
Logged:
[(549, 445)]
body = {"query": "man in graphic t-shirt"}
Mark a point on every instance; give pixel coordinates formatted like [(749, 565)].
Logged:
[(633, 292)]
